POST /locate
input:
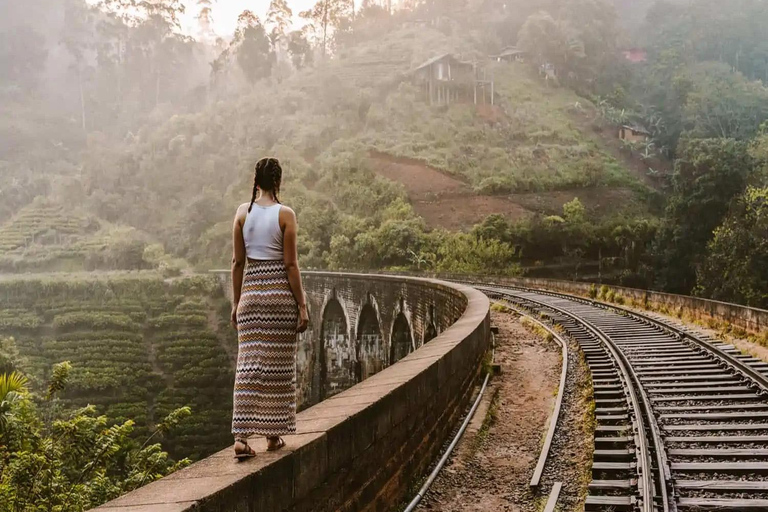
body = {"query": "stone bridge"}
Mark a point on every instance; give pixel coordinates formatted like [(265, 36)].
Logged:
[(361, 326), (384, 373)]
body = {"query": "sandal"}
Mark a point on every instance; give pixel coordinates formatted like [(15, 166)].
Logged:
[(245, 454), (280, 444)]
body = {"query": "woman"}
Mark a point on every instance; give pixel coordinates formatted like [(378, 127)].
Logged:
[(270, 308)]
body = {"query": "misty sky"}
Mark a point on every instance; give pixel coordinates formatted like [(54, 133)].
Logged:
[(225, 13)]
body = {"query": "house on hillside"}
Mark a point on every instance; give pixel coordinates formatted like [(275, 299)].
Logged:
[(634, 133), (548, 71), (446, 79), (510, 54), (635, 55)]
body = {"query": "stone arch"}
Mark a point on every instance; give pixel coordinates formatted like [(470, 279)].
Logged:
[(401, 339), (337, 354), (305, 364), (430, 331), (371, 353)]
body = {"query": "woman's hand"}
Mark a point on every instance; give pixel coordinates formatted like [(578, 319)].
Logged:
[(303, 319), (234, 316)]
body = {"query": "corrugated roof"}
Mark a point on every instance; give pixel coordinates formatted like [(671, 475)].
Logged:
[(433, 60), (511, 51)]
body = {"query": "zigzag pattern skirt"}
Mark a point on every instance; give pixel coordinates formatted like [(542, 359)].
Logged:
[(265, 379)]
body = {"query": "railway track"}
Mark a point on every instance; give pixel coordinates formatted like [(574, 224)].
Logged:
[(682, 420)]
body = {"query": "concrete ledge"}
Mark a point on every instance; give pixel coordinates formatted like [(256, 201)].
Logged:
[(357, 451)]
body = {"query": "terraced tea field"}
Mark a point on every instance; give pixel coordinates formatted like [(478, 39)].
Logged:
[(140, 347), (45, 237)]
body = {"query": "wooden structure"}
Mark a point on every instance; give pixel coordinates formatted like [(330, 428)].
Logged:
[(447, 79), (510, 54), (634, 133)]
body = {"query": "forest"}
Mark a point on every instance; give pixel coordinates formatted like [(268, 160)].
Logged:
[(128, 138)]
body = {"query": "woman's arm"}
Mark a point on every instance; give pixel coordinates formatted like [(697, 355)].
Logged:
[(238, 261), (291, 260)]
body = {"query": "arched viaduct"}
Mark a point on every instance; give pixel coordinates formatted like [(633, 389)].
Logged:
[(384, 373), (361, 326)]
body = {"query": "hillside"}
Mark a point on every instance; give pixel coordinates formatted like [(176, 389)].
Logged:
[(536, 149), (182, 177), (140, 347), (44, 236)]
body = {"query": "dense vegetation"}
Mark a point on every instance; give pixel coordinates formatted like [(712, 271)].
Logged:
[(53, 459), (140, 347)]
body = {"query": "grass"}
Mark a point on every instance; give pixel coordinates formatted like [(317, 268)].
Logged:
[(536, 329), (489, 421), (537, 147)]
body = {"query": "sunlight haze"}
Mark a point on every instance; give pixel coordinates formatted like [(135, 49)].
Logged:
[(225, 13)]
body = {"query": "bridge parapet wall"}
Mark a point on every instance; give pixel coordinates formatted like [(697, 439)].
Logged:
[(362, 448), (752, 320)]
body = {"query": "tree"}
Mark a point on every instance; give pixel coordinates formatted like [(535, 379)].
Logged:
[(708, 174), (299, 49), (327, 15), (723, 103), (252, 49), (205, 20), (70, 461), (551, 41), (736, 266), (12, 386), (278, 20)]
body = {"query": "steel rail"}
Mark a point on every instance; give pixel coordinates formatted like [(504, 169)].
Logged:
[(433, 475), (759, 379), (633, 386)]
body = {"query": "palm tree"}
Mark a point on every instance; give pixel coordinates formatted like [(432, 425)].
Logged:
[(12, 385)]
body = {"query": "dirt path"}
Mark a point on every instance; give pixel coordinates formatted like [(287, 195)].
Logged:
[(441, 199), (493, 465)]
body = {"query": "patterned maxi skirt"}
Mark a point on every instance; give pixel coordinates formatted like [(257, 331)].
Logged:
[(265, 379)]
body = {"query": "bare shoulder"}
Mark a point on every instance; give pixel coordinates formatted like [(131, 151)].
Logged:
[(287, 212), (242, 211)]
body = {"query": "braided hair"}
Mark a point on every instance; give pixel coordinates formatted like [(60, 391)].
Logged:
[(268, 176)]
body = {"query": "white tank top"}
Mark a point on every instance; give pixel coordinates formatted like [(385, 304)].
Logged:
[(262, 234)]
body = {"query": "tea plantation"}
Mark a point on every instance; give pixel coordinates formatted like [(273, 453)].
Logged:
[(140, 347)]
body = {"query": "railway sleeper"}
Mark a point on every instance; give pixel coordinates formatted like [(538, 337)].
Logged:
[(611, 418), (693, 376), (701, 398), (611, 485), (616, 455), (720, 467), (711, 416), (609, 503), (715, 427), (723, 485), (613, 441), (701, 504), (715, 439), (713, 366), (735, 453), (703, 389), (703, 407)]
